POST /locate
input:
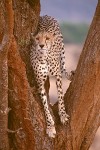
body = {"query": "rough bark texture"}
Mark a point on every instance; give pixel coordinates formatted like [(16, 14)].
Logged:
[(26, 121), (83, 96), (3, 100), (5, 42)]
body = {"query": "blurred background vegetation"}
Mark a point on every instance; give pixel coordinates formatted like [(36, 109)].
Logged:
[(74, 16), (74, 32)]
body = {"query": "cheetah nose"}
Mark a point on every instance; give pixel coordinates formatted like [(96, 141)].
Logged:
[(42, 45)]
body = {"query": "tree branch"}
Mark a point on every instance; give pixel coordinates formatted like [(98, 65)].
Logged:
[(82, 97), (26, 118)]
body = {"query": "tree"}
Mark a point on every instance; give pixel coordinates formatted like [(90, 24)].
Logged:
[(22, 120)]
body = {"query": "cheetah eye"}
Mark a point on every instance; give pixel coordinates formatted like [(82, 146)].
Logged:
[(37, 38), (47, 38)]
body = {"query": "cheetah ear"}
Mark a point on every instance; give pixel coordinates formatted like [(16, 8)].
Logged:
[(32, 36), (32, 39)]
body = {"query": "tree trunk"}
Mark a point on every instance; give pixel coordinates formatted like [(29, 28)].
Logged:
[(5, 40), (82, 99), (25, 123)]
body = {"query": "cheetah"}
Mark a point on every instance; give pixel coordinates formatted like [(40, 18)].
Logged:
[(48, 58)]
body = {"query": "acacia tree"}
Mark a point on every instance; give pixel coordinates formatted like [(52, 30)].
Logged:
[(22, 120)]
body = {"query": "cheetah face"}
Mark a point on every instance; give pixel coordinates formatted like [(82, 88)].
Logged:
[(44, 41)]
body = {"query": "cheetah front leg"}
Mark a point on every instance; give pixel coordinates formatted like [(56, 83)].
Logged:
[(62, 113), (49, 119)]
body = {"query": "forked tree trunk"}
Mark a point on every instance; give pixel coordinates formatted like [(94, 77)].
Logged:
[(26, 122), (82, 99)]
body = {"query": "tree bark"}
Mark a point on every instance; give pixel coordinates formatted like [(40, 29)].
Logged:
[(5, 40), (82, 97), (26, 121)]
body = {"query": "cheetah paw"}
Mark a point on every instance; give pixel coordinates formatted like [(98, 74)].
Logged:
[(51, 131), (64, 118)]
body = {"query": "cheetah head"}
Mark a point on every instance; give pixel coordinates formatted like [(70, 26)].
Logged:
[(44, 41)]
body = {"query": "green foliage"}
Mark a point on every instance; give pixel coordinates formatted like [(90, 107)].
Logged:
[(74, 32)]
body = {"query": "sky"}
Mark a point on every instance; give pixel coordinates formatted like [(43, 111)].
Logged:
[(69, 10)]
